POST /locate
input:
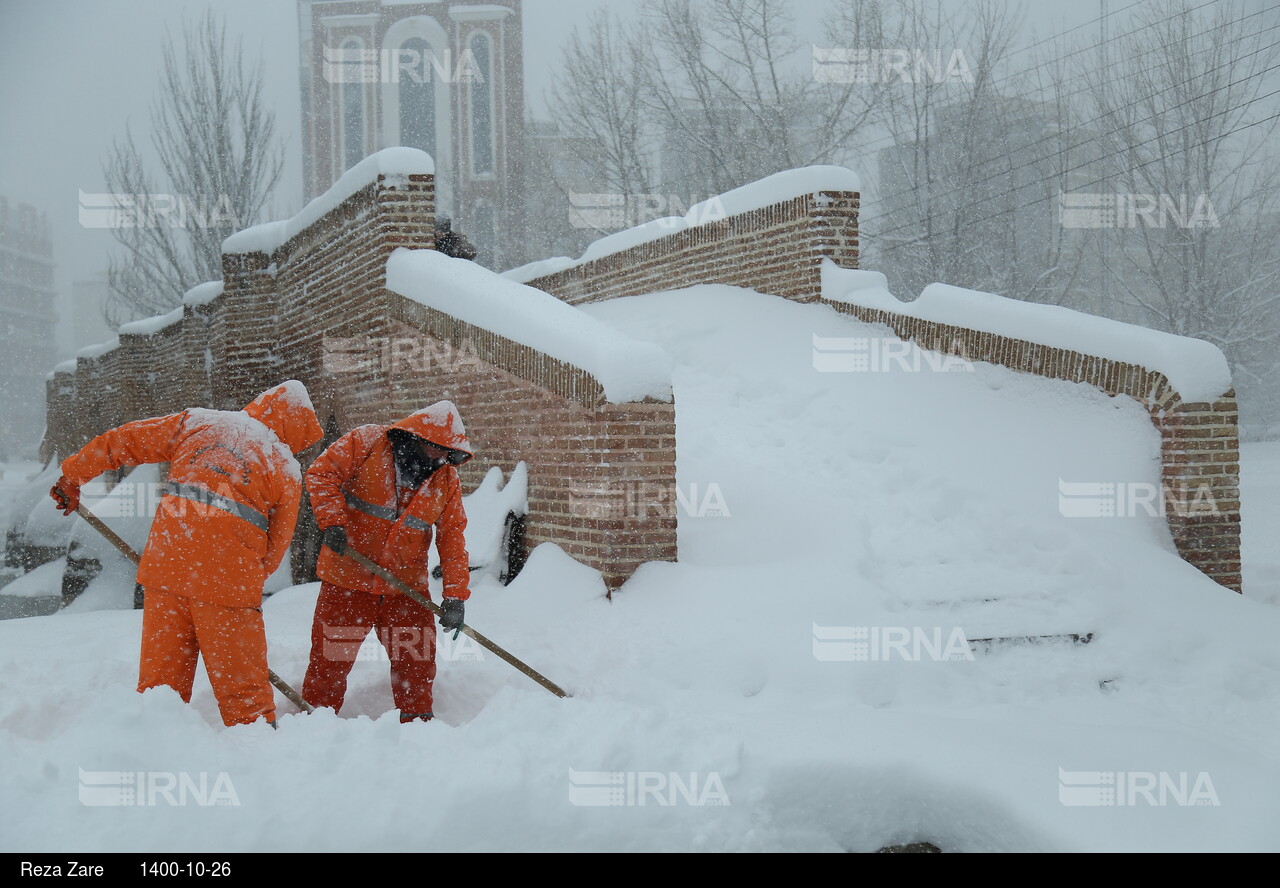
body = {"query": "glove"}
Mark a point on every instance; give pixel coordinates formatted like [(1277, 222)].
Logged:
[(66, 494), (336, 539), (451, 614)]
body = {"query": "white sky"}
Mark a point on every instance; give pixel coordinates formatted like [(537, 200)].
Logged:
[(74, 73)]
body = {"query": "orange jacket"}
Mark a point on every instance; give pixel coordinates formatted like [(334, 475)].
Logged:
[(230, 506), (353, 485)]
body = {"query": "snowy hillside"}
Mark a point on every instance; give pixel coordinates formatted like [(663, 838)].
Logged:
[(792, 684)]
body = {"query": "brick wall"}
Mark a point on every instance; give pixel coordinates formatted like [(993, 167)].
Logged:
[(601, 475), (777, 249), (587, 463)]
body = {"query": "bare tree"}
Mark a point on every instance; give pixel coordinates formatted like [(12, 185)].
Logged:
[(729, 101), (599, 158), (215, 140), (694, 99), (1190, 120), (959, 186), (600, 98)]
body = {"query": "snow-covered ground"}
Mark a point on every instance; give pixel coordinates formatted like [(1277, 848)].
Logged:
[(723, 703), (1260, 519)]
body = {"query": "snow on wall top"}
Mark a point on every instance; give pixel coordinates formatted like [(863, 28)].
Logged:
[(393, 163), (97, 351), (1196, 369), (150, 326), (754, 196), (628, 370), (202, 294)]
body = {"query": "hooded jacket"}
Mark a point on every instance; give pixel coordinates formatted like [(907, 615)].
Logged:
[(228, 510), (353, 485)]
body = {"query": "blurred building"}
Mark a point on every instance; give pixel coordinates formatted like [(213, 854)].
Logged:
[(446, 77), (84, 323), (27, 320), (563, 194)]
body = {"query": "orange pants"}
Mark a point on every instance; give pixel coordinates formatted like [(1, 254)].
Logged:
[(232, 640), (406, 629)]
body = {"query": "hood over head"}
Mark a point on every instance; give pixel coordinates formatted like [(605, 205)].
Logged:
[(440, 424), (287, 411)]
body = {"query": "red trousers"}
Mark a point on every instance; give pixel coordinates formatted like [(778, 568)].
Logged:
[(232, 640), (406, 629)]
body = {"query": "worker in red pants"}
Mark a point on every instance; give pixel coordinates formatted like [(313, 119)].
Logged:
[(224, 524), (386, 491)]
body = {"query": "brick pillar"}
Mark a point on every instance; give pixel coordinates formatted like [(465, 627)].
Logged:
[(1200, 449), (131, 377), (60, 401), (196, 350), (249, 363), (333, 300)]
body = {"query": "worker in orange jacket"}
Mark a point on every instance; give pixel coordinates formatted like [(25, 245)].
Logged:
[(223, 526), (382, 490)]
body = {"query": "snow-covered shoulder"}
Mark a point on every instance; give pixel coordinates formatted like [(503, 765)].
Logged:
[(394, 164), (766, 192), (1197, 369), (236, 427), (628, 369)]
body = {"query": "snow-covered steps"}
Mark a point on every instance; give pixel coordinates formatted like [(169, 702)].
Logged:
[(987, 645)]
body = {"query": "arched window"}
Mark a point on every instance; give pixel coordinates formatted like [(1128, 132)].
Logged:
[(417, 96), (353, 148), (481, 92)]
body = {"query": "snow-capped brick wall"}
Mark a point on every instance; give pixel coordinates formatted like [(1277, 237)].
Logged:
[(1200, 441), (148, 360), (775, 249), (309, 301), (588, 460)]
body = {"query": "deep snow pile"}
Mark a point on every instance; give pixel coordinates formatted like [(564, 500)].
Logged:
[(718, 700)]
